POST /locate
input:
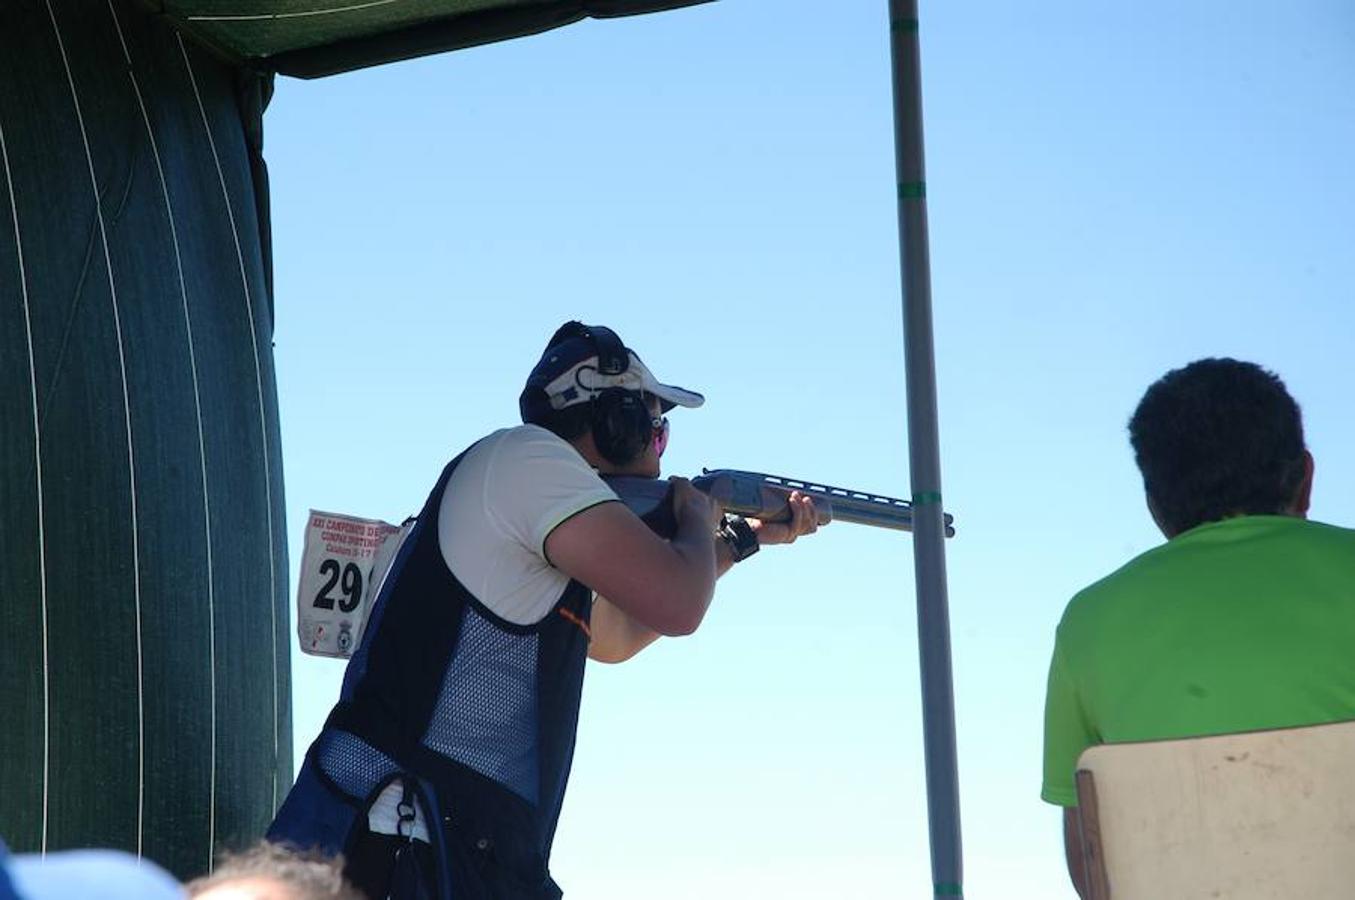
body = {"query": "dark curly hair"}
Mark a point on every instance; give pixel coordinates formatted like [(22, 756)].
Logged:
[(1217, 438), (568, 423)]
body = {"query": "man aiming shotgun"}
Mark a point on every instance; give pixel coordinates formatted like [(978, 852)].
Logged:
[(442, 769)]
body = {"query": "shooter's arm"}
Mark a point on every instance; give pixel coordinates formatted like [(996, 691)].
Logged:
[(617, 636), (666, 585)]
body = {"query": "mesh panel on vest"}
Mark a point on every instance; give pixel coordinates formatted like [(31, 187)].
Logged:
[(486, 710), (351, 763)]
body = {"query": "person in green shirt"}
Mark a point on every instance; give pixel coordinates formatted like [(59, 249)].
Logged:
[(1244, 619)]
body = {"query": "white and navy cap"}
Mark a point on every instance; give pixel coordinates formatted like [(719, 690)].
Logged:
[(580, 362)]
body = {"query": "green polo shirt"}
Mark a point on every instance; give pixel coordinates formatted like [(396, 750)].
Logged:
[(1233, 626)]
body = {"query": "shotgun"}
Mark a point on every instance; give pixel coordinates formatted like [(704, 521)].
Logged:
[(760, 496)]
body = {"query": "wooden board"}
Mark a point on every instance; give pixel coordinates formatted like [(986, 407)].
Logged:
[(1257, 816)]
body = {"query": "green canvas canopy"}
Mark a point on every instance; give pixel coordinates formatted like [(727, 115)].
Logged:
[(313, 38)]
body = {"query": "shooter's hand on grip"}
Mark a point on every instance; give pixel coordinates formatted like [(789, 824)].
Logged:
[(692, 508)]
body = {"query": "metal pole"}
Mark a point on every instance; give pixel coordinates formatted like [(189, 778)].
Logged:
[(924, 447)]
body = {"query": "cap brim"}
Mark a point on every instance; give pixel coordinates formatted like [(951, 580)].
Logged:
[(670, 395)]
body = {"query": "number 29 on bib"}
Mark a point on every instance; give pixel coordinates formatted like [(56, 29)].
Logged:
[(341, 567)]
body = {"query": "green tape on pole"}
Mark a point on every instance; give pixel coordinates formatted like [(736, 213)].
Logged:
[(904, 25), (912, 190), (922, 498), (948, 889)]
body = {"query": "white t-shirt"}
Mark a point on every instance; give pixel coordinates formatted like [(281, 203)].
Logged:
[(510, 491)]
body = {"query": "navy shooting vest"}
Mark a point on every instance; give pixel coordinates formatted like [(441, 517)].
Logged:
[(479, 713)]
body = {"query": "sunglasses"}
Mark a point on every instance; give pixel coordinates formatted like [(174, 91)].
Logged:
[(660, 425)]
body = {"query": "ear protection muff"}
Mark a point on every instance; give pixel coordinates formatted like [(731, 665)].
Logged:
[(622, 429), (620, 420)]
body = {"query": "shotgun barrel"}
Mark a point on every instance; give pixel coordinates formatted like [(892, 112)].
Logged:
[(761, 496)]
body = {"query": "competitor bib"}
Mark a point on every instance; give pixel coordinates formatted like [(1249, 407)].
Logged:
[(342, 566)]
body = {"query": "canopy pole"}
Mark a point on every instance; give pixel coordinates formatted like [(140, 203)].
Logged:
[(924, 447)]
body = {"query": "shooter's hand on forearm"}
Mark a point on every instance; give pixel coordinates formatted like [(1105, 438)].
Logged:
[(803, 520)]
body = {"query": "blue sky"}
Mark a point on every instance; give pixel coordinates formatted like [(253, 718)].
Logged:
[(1113, 191)]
